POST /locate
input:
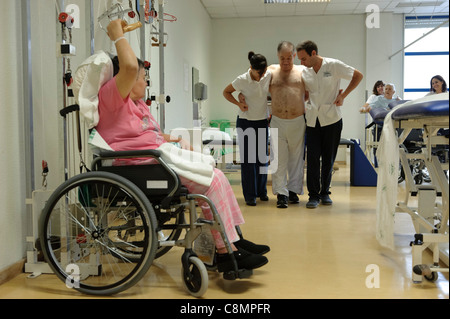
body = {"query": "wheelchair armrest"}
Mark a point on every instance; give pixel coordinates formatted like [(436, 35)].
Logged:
[(123, 154)]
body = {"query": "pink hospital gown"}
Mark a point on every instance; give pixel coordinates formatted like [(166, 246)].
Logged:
[(125, 125)]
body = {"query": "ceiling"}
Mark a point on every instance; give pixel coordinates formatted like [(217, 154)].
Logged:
[(223, 9)]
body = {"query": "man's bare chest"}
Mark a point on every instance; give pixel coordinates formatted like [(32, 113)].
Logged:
[(280, 80)]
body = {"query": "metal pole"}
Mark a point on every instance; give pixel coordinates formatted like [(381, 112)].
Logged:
[(90, 14), (426, 34), (140, 7), (62, 87), (162, 115), (28, 97)]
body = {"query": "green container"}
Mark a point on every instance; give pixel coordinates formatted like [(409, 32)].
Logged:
[(221, 124)]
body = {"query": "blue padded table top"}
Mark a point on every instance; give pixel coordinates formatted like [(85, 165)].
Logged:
[(422, 110), (395, 103), (378, 114)]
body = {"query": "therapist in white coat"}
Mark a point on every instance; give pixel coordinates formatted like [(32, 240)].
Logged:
[(322, 79), (252, 126)]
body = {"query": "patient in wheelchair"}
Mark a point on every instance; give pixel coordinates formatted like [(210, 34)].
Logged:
[(127, 124)]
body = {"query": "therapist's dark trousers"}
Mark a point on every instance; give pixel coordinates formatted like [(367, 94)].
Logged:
[(322, 144), (253, 151)]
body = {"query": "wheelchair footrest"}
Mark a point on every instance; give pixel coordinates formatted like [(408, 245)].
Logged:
[(240, 274)]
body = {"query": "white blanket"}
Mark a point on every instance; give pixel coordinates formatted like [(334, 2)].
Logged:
[(194, 166), (387, 184), (89, 77)]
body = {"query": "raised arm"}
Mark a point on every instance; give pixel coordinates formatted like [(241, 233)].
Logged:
[(129, 68)]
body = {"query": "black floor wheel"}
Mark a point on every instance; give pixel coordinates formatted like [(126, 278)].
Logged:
[(195, 279)]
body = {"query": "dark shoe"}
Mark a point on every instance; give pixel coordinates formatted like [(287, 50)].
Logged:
[(264, 198), (251, 202), (326, 200), (252, 247), (245, 260), (282, 201), (312, 203), (293, 198)]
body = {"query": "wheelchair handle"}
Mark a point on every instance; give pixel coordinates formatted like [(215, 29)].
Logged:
[(69, 109)]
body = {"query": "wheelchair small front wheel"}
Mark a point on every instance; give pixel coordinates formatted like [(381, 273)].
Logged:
[(195, 278)]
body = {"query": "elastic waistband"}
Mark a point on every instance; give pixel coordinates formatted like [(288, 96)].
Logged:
[(299, 118)]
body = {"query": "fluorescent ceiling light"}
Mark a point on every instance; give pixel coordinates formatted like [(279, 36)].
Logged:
[(420, 4), (294, 1)]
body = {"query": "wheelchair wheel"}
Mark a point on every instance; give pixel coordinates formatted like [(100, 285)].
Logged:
[(105, 226), (401, 174), (195, 279)]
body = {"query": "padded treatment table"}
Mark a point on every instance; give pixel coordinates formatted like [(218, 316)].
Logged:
[(430, 216), (431, 109)]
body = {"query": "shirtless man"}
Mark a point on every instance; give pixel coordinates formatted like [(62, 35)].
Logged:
[(288, 109)]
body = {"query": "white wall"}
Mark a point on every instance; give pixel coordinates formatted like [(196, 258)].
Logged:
[(341, 37), (189, 44), (12, 173), (380, 47)]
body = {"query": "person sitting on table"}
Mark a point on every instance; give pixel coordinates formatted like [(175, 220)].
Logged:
[(378, 89), (437, 85), (383, 101)]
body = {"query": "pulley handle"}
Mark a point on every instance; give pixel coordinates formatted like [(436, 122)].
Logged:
[(130, 27)]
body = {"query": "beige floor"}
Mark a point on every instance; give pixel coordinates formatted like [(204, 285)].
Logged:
[(321, 253)]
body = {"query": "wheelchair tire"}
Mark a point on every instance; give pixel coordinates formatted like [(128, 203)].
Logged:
[(401, 174), (197, 284), (107, 232)]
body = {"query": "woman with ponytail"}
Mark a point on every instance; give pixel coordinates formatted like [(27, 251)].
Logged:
[(252, 126)]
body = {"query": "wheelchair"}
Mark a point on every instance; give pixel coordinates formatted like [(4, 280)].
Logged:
[(101, 230), (414, 144)]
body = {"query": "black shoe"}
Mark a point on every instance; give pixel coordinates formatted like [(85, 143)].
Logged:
[(312, 203), (293, 198), (282, 201), (252, 247), (245, 260), (264, 198), (326, 200), (251, 202)]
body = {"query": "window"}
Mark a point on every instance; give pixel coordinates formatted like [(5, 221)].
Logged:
[(427, 57)]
